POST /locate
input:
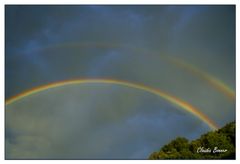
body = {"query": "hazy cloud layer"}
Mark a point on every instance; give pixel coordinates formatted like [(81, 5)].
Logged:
[(94, 121)]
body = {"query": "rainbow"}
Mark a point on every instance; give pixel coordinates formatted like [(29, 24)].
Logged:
[(216, 83), (177, 102)]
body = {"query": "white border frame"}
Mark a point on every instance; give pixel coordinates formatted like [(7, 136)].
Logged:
[(127, 2)]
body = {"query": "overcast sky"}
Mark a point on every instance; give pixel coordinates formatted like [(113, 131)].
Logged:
[(47, 44)]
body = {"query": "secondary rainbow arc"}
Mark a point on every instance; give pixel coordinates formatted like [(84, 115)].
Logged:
[(174, 100), (213, 81)]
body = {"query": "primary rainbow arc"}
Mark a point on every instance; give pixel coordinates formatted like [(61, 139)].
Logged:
[(176, 101)]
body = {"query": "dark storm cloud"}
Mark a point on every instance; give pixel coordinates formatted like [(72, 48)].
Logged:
[(35, 22), (52, 43)]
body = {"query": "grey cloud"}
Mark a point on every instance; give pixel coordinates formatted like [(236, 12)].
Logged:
[(48, 46)]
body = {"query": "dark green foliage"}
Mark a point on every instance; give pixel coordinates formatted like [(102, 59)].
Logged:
[(181, 148)]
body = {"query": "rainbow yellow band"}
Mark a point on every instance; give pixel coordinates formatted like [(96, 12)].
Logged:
[(186, 106)]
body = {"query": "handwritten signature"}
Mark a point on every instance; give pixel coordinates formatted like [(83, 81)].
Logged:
[(208, 150)]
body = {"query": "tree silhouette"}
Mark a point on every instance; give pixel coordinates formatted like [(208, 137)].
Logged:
[(220, 145)]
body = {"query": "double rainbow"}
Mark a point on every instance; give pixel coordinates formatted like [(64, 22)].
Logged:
[(216, 83)]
